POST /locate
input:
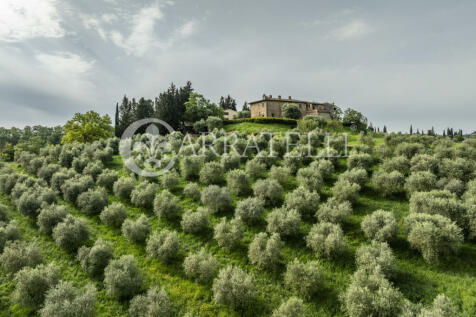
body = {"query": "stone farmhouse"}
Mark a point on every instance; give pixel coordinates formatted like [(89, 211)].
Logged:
[(272, 107)]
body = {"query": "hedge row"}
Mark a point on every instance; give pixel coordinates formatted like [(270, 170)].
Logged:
[(291, 122)]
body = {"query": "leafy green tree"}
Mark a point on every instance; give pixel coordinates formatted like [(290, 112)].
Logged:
[(197, 107), (227, 103), (291, 110), (355, 119), (87, 128), (170, 105)]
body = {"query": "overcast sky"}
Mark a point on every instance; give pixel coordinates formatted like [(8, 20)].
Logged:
[(398, 62)]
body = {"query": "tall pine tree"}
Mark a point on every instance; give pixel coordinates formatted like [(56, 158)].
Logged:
[(227, 103)]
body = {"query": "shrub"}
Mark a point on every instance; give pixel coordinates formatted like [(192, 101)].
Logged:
[(269, 190), (455, 186), (107, 179), (310, 178), (255, 169), (33, 283), (71, 233), (114, 215), (400, 164), (65, 300), (29, 203), (228, 234), (290, 308), (19, 254), (34, 165), (265, 250), (195, 221), (192, 191), (143, 195), (50, 216), (420, 182), (3, 213), (380, 225), (46, 172), (326, 239), (75, 186), (200, 266), (285, 222), (123, 187), (458, 168), (200, 126), (214, 123), (334, 211), (440, 202), (280, 174), (93, 169), (104, 156), (250, 209), (93, 201), (95, 259), (355, 176), (163, 245), (442, 307), (371, 294), (166, 205), (59, 178), (388, 183), (155, 303), (238, 182), (80, 163), (345, 191), (376, 254), (433, 235), (303, 278), (190, 167), (8, 232), (424, 162), (136, 231), (170, 180), (409, 150), (302, 200), (216, 199), (230, 161), (122, 277), (233, 288), (211, 173), (362, 160)]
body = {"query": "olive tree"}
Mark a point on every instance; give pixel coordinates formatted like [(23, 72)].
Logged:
[(200, 266), (122, 277), (420, 182), (433, 236), (283, 221), (124, 187), (32, 284), (65, 300), (216, 199), (250, 209), (269, 190), (166, 205), (50, 216), (234, 288), (265, 250), (381, 225), (192, 191), (303, 278), (212, 173), (290, 308), (344, 190), (93, 201), (155, 302), (143, 195), (95, 259), (163, 245), (195, 221), (310, 178), (71, 233), (326, 239), (355, 176), (238, 182), (303, 200), (388, 183), (170, 180), (19, 254), (228, 234), (136, 230), (376, 254), (334, 211), (114, 215)]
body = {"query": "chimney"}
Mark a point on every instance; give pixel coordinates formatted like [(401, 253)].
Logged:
[(279, 97), (264, 96), (290, 98)]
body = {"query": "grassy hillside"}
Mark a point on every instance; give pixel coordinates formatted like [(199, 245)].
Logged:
[(418, 281)]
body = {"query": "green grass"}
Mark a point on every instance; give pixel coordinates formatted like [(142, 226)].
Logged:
[(253, 128)]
